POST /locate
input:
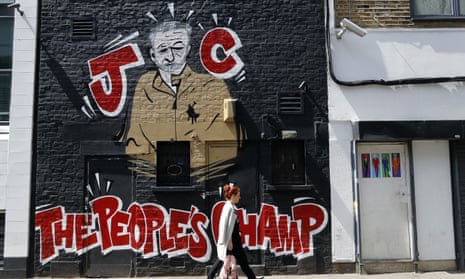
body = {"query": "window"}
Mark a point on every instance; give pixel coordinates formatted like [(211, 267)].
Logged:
[(173, 163), (438, 9), (288, 162), (6, 50)]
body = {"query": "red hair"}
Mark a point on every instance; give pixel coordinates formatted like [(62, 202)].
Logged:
[(230, 189)]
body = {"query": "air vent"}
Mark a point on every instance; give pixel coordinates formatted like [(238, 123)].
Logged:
[(83, 28), (290, 103)]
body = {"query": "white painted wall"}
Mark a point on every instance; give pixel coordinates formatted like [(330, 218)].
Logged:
[(398, 54), (433, 200), (388, 54), (18, 176), (342, 206)]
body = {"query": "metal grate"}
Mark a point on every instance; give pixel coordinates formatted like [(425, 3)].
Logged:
[(83, 28), (290, 103)]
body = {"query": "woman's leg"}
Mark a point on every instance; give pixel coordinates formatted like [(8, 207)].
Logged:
[(241, 258), (215, 267)]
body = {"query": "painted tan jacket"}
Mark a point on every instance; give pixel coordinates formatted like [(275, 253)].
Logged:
[(194, 113)]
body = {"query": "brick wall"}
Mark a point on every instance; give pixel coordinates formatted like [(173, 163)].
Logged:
[(385, 14), (283, 44)]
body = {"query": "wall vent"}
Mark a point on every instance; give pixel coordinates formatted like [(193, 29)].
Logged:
[(83, 28), (290, 103)]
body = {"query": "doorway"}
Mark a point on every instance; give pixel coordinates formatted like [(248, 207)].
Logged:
[(109, 175), (384, 202)]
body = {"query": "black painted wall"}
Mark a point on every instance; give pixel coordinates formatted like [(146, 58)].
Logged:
[(283, 45)]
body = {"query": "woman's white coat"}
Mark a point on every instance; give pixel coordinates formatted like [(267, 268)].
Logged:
[(227, 221)]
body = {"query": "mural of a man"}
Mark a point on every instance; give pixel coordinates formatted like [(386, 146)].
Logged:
[(175, 103)]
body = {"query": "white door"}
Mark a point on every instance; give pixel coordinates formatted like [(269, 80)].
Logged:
[(384, 200)]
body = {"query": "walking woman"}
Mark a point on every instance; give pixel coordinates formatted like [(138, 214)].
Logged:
[(229, 238)]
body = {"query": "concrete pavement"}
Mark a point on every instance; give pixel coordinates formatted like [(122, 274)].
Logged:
[(426, 275)]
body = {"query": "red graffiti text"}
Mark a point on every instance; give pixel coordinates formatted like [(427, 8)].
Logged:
[(108, 85), (281, 234), (145, 228), (227, 42), (149, 229)]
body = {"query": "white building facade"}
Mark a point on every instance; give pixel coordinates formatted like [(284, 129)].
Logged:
[(18, 51), (396, 116)]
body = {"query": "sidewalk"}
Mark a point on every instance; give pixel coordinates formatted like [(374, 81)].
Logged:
[(426, 275)]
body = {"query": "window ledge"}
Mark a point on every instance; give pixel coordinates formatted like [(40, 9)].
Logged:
[(436, 17)]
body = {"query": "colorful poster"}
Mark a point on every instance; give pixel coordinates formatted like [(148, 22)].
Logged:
[(395, 164), (366, 165), (386, 164), (380, 165), (375, 165)]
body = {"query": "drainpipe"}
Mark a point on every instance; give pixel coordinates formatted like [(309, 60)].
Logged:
[(457, 210), (30, 268), (412, 200), (356, 197)]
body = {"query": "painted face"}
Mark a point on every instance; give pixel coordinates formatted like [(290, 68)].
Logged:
[(170, 49)]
